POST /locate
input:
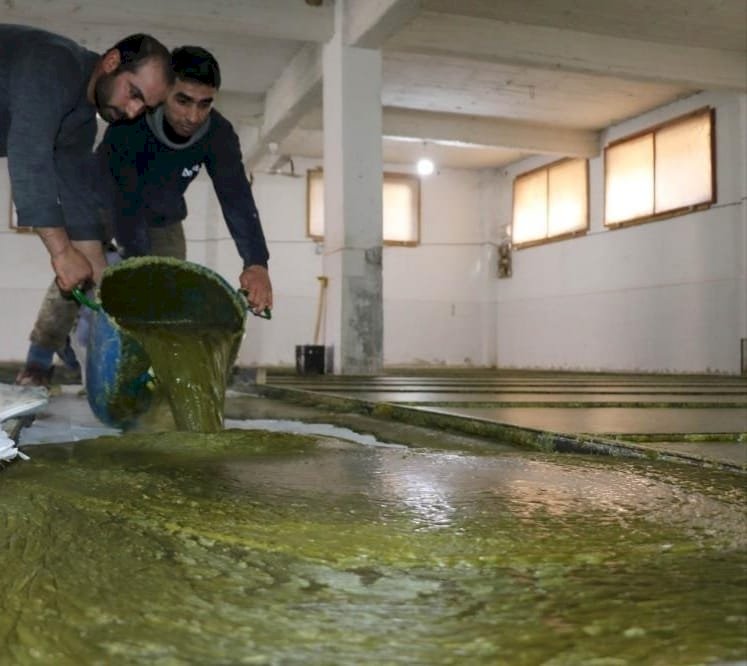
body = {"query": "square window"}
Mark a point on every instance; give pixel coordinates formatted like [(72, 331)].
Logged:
[(400, 207)]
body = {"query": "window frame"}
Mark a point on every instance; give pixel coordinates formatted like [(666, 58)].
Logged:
[(309, 174), (672, 212), (557, 237), (391, 176)]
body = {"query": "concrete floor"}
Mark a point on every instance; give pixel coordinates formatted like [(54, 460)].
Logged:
[(699, 419)]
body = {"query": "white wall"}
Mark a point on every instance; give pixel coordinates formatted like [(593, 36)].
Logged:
[(438, 300), (665, 296), (437, 295), (25, 274)]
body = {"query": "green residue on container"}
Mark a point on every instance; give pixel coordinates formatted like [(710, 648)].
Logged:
[(190, 322)]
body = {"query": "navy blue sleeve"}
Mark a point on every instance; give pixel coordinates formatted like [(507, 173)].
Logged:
[(44, 84), (118, 155), (79, 179), (226, 169)]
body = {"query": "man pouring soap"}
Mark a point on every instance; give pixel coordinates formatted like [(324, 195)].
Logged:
[(152, 161), (50, 91)]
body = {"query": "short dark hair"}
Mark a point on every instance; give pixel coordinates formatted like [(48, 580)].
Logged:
[(136, 50), (193, 63)]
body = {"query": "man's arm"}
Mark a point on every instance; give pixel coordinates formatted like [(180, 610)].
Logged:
[(70, 265), (40, 95), (234, 193)]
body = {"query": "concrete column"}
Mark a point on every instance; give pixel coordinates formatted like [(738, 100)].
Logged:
[(352, 203), (742, 102)]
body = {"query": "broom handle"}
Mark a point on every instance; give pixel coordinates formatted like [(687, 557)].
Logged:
[(322, 292)]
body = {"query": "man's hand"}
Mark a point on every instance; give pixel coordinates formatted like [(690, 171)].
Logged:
[(71, 267), (255, 280)]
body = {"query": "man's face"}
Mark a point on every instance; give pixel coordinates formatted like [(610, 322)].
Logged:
[(121, 95), (187, 106)]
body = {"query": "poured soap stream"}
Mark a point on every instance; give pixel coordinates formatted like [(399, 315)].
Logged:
[(191, 364)]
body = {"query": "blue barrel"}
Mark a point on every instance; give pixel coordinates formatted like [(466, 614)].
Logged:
[(118, 382)]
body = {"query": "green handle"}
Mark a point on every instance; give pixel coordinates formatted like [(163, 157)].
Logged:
[(265, 314), (81, 297)]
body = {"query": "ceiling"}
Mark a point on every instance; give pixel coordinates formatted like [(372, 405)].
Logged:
[(482, 82)]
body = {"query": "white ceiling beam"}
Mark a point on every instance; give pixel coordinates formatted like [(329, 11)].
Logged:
[(272, 19), (567, 50), (240, 108), (293, 95), (496, 132), (483, 131), (369, 23), (233, 52), (299, 87)]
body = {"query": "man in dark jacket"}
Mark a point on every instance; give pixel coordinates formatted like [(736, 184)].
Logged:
[(50, 91), (152, 161)]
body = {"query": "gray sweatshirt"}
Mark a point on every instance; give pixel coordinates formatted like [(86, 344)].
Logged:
[(47, 130)]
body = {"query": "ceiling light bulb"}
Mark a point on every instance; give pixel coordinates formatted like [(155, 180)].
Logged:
[(425, 166)]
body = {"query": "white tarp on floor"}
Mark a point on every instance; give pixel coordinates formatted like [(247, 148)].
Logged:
[(68, 418)]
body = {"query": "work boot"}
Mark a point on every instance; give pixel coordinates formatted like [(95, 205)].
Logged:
[(34, 375)]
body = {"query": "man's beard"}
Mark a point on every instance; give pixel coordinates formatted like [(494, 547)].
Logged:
[(102, 93)]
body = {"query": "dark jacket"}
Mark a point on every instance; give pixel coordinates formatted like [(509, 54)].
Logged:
[(150, 178), (47, 130)]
